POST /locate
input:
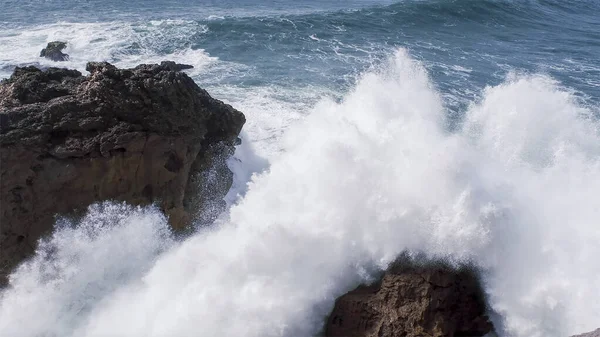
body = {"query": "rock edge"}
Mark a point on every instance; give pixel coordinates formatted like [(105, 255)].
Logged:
[(143, 135)]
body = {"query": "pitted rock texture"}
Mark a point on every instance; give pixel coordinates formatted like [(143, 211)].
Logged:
[(412, 302), (143, 135)]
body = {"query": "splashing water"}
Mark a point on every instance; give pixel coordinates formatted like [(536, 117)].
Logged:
[(125, 44), (512, 191)]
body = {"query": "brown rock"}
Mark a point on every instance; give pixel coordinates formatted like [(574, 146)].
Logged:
[(142, 135), (412, 301)]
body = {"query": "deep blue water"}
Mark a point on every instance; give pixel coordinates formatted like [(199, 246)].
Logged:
[(465, 44)]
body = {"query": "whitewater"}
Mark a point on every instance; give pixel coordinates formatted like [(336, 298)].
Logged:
[(512, 190)]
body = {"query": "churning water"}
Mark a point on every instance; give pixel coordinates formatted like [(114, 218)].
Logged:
[(462, 130)]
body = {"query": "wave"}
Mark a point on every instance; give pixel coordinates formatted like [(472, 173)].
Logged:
[(513, 191), (491, 13), (489, 38), (123, 43), (331, 47)]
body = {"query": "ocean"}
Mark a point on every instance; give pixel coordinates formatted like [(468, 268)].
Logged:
[(463, 130)]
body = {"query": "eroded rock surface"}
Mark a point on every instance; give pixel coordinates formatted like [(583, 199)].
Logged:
[(412, 302), (142, 135)]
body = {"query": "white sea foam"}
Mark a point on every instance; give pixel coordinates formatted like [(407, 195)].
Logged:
[(270, 111), (122, 43), (75, 269), (358, 182)]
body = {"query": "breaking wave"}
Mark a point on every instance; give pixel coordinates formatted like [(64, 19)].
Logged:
[(123, 43), (513, 190)]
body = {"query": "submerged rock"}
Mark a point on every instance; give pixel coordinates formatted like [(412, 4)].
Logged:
[(413, 301), (142, 135), (53, 51)]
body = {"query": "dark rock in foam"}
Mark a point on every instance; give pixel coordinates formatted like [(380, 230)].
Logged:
[(175, 66), (53, 51), (142, 135)]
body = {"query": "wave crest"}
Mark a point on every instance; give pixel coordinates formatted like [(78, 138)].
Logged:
[(359, 182)]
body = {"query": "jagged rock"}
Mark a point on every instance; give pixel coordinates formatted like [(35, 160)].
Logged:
[(595, 333), (142, 135), (413, 301), (175, 66), (53, 51)]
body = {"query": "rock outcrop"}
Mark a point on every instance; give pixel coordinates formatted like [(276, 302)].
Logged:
[(143, 135), (175, 66), (595, 333), (412, 301), (53, 51)]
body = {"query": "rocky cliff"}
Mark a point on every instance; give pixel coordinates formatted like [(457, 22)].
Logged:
[(142, 135), (412, 301)]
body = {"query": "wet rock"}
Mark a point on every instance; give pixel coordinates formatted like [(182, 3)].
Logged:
[(143, 135), (53, 51), (413, 301), (170, 65)]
